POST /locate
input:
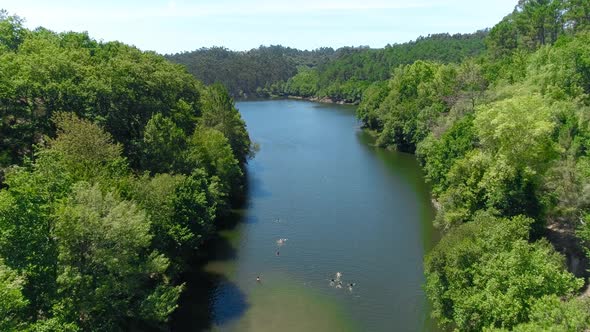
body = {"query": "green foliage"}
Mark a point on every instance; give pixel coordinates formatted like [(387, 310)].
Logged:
[(107, 273), (502, 39), (340, 75), (12, 301), (210, 150), (417, 96), (251, 72), (506, 133), (116, 85), (220, 113), (12, 32), (26, 224), (85, 243), (163, 144), (304, 84), (85, 149), (438, 155), (550, 313), (538, 22), (499, 120), (518, 129), (486, 274), (373, 96)]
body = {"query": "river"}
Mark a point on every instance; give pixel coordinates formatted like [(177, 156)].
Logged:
[(343, 206)]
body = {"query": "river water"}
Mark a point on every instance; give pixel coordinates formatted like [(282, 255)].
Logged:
[(343, 206)]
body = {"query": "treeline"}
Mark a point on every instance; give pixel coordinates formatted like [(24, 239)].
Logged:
[(345, 78), (116, 165), (504, 139), (340, 75), (248, 73)]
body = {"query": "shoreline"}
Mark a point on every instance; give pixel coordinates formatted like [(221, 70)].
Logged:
[(323, 100)]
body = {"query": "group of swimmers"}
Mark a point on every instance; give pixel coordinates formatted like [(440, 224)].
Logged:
[(280, 243), (337, 282), (334, 282)]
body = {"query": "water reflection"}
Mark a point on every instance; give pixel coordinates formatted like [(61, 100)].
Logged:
[(347, 207), (207, 281)]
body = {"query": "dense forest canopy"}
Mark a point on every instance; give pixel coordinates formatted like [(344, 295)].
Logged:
[(116, 165), (246, 73), (339, 74), (499, 122), (503, 138)]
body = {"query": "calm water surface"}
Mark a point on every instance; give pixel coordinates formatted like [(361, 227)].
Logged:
[(343, 206)]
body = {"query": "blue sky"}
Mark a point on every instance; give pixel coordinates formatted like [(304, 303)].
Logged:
[(171, 26)]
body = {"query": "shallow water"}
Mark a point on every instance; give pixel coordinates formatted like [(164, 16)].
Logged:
[(343, 206)]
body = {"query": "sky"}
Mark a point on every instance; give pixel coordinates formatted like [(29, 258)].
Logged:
[(171, 26)]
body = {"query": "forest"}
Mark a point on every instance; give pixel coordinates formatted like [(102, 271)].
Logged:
[(346, 77), (116, 166), (499, 121), (504, 141), (247, 74), (340, 75)]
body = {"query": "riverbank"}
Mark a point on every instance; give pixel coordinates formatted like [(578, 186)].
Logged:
[(324, 100), (318, 209)]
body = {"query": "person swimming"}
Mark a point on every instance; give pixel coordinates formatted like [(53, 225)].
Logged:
[(278, 253), (350, 285), (257, 278)]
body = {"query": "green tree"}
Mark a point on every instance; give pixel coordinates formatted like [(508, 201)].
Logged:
[(486, 274), (195, 209), (27, 244), (220, 113), (12, 301), (107, 273), (551, 313), (577, 14), (210, 149), (438, 155), (12, 32), (163, 144), (539, 22), (86, 150)]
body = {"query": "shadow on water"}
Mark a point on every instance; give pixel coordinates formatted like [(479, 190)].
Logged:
[(196, 306), (406, 164), (256, 188)]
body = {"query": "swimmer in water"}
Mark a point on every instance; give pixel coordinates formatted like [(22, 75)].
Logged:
[(350, 286), (332, 281), (278, 253), (258, 279), (338, 275)]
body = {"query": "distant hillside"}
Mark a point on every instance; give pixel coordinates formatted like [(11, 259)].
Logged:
[(243, 73), (339, 74), (349, 74)]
